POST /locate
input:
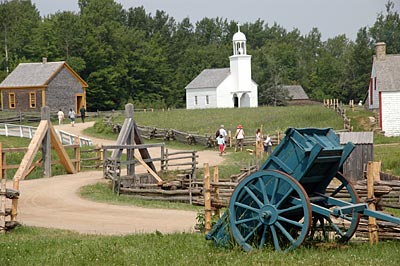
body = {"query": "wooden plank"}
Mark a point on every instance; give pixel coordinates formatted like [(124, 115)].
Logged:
[(151, 171), (32, 150), (122, 137), (62, 154), (143, 152)]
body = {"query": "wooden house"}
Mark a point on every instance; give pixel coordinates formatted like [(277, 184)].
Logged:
[(363, 152), (297, 95), (384, 90), (34, 85)]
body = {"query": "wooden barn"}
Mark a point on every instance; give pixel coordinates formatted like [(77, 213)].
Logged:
[(34, 85), (297, 95), (363, 152)]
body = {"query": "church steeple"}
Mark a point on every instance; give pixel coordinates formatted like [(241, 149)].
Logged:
[(239, 43)]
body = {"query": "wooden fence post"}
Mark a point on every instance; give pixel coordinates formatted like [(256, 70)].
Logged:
[(372, 169), (207, 198), (216, 191), (2, 194), (77, 153)]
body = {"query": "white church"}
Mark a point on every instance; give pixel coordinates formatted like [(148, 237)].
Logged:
[(225, 87)]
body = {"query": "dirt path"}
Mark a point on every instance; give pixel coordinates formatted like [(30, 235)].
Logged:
[(54, 203)]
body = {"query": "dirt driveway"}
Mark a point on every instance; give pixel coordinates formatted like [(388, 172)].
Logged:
[(54, 203)]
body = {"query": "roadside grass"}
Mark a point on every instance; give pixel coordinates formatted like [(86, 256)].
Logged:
[(38, 246), (102, 192)]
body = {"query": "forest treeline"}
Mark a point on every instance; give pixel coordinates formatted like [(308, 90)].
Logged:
[(148, 59)]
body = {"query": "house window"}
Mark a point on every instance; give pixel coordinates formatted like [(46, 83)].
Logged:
[(207, 100), (11, 100), (32, 99), (195, 100)]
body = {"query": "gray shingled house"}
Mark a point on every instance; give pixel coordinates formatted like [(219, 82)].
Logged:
[(34, 85), (296, 94)]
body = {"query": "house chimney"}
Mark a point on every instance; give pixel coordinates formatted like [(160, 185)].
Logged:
[(380, 50), (44, 60)]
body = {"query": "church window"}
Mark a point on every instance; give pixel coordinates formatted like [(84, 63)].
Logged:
[(207, 100), (195, 100)]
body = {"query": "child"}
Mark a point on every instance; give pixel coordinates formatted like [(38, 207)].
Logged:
[(267, 144), (221, 144)]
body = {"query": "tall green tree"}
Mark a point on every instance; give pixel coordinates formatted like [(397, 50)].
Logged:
[(387, 29)]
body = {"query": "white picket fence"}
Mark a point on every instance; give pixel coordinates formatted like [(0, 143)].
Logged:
[(28, 132)]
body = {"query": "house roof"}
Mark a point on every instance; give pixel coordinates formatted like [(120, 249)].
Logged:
[(36, 75), (388, 72), (356, 137), (209, 78), (296, 92)]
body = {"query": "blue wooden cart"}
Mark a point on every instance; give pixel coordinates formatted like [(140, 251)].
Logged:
[(286, 201)]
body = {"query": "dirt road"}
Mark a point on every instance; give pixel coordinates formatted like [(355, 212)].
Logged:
[(54, 203)]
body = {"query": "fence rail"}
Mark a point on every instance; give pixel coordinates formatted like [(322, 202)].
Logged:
[(28, 132)]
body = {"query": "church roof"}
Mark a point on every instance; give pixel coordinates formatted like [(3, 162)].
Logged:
[(209, 78), (296, 92), (388, 72)]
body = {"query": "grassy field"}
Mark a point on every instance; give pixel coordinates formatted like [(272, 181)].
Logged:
[(35, 246)]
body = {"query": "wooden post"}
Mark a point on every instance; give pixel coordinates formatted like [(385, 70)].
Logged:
[(46, 143), (77, 153), (216, 191), (130, 153), (230, 138), (207, 198), (2, 194), (372, 227)]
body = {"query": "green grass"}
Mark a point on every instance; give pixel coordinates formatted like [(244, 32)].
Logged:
[(37, 246), (206, 121), (102, 192)]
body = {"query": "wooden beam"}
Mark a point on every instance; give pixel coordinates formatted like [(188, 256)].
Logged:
[(372, 227), (62, 154), (151, 171), (207, 198), (2, 194), (32, 150)]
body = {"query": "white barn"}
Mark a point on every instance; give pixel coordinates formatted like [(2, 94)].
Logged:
[(225, 87), (384, 90)]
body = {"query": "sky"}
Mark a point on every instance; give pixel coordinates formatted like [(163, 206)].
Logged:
[(331, 17)]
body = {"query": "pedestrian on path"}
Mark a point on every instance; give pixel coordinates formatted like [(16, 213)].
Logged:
[(61, 116), (222, 131), (239, 136), (83, 113), (221, 144), (71, 116)]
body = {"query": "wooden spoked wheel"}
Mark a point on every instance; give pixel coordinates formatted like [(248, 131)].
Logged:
[(343, 228), (269, 207)]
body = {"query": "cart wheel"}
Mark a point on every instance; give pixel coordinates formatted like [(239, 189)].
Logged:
[(269, 206), (344, 228)]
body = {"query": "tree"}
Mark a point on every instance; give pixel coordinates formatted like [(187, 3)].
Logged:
[(387, 29)]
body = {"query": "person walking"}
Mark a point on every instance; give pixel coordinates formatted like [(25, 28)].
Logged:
[(221, 144), (239, 136), (83, 113), (71, 115), (222, 132), (267, 145), (60, 115)]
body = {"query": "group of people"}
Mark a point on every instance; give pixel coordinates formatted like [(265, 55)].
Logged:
[(71, 115), (221, 136)]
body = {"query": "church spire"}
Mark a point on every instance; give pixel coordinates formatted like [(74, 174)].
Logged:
[(239, 43)]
